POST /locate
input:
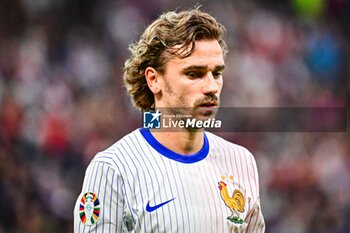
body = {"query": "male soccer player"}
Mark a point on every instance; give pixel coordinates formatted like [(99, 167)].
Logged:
[(185, 180)]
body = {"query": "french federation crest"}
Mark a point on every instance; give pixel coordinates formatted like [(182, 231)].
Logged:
[(89, 209), (234, 202)]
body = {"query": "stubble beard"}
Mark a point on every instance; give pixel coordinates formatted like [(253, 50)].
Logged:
[(183, 110)]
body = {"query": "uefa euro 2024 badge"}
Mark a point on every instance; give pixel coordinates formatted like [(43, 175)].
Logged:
[(89, 209)]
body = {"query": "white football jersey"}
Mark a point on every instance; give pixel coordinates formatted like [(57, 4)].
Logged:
[(138, 185)]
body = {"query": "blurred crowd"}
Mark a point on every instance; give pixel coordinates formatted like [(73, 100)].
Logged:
[(62, 100)]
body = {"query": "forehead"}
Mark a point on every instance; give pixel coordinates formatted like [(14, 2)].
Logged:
[(206, 53)]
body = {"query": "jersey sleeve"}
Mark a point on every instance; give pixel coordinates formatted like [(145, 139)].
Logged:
[(255, 219), (100, 205)]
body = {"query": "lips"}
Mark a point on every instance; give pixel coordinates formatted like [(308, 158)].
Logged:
[(211, 101), (210, 104)]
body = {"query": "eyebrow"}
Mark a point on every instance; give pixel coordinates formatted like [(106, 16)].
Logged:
[(195, 67)]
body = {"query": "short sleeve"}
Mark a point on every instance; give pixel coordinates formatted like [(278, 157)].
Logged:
[(255, 219), (100, 205)]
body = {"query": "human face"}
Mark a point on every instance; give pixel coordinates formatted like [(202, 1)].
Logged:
[(195, 82)]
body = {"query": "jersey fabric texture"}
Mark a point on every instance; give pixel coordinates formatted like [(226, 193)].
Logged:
[(138, 185)]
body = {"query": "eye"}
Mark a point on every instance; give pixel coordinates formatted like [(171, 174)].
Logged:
[(195, 74), (217, 74)]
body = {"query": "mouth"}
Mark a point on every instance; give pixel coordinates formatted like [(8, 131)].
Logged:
[(209, 105), (208, 108)]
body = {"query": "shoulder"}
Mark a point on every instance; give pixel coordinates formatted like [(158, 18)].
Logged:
[(121, 152), (219, 145), (216, 141)]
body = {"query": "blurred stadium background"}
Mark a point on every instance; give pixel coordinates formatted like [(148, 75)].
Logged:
[(62, 100)]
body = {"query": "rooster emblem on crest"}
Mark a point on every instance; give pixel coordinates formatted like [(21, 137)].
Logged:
[(235, 202)]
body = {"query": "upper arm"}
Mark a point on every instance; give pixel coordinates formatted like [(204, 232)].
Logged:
[(102, 213), (255, 218)]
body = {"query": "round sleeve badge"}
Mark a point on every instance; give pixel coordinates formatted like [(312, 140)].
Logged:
[(89, 209)]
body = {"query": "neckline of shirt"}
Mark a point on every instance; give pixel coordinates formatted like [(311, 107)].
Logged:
[(182, 158)]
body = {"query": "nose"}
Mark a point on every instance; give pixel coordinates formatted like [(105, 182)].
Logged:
[(211, 85)]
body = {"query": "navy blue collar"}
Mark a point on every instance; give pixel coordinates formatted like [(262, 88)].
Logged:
[(192, 158)]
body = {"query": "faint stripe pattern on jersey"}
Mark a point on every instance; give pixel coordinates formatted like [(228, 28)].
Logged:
[(137, 171)]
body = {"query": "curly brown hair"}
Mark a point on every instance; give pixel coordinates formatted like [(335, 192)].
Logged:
[(156, 47)]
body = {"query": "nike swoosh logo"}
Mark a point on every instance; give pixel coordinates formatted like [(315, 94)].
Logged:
[(153, 208)]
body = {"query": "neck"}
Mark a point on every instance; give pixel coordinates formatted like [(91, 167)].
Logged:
[(182, 142)]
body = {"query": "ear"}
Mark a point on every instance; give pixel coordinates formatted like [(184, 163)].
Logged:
[(153, 80)]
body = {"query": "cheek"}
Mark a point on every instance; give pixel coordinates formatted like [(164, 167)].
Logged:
[(184, 97), (187, 98), (220, 84), (167, 88)]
